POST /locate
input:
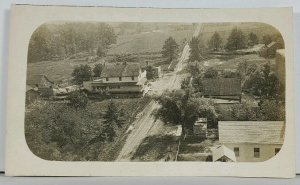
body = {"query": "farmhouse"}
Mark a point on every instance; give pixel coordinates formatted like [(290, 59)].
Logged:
[(280, 65), (222, 88), (119, 80), (252, 141)]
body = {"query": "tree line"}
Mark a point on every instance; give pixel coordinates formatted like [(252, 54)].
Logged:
[(57, 41), (237, 40)]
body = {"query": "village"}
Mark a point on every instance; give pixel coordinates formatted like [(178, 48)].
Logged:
[(213, 95)]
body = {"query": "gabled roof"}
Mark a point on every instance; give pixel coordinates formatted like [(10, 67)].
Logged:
[(256, 132), (33, 80), (221, 86), (119, 70), (221, 151)]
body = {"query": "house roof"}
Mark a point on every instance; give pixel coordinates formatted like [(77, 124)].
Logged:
[(119, 70), (33, 80), (258, 132), (221, 151), (221, 86)]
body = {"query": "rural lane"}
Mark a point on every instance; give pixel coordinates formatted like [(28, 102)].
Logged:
[(143, 124)]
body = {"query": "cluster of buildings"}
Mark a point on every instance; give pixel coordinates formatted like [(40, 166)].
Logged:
[(241, 141), (116, 80)]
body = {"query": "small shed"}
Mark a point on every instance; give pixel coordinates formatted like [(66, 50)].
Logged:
[(200, 127), (223, 154)]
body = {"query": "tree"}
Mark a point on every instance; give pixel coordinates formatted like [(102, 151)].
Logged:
[(215, 42), (39, 46), (150, 72), (111, 120), (100, 51), (196, 49), (236, 40), (272, 110), (244, 112), (194, 68), (179, 107), (98, 69), (267, 39), (81, 73), (56, 41), (78, 99), (186, 83), (170, 49), (211, 73), (252, 39), (263, 82)]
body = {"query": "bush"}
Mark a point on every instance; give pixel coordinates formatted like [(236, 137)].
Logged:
[(78, 99)]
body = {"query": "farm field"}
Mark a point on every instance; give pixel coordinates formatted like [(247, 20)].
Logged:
[(231, 63), (148, 41)]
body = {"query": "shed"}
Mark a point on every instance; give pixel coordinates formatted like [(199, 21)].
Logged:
[(223, 154)]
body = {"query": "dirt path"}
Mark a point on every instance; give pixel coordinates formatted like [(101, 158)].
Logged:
[(143, 125)]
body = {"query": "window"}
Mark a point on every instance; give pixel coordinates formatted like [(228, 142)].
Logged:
[(277, 150), (256, 152), (132, 78), (107, 79), (120, 78), (236, 151)]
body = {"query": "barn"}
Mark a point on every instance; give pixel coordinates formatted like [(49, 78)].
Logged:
[(222, 88)]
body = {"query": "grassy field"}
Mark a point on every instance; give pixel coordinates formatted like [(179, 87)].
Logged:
[(148, 41), (156, 148), (231, 63)]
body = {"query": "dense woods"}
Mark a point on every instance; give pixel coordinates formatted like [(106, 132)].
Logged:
[(57, 41)]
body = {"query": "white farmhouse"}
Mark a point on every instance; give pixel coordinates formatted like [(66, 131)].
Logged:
[(119, 79), (252, 141)]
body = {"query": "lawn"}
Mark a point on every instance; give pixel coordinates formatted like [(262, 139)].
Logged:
[(195, 148), (156, 148)]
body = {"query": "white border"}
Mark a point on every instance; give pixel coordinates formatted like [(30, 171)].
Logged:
[(25, 19)]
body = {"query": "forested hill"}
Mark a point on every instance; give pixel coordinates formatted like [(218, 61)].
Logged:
[(57, 41)]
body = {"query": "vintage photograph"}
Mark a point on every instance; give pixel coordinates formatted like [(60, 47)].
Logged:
[(155, 91)]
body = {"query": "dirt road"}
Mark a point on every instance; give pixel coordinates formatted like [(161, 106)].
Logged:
[(146, 121)]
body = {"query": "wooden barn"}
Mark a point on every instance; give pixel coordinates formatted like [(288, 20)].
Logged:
[(222, 88)]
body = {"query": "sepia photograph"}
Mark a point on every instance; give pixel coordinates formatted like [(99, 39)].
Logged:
[(155, 91), (107, 91)]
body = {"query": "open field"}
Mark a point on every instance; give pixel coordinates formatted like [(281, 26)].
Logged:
[(231, 63), (156, 148), (147, 41)]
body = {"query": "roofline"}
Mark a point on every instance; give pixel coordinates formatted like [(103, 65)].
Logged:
[(266, 143)]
